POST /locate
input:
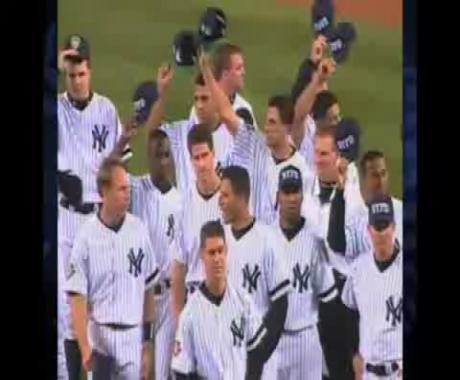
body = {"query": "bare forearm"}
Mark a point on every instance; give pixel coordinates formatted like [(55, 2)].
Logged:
[(149, 306), (79, 313), (120, 146), (177, 288), (156, 113)]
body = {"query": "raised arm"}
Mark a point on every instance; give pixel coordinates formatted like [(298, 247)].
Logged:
[(164, 77), (224, 107)]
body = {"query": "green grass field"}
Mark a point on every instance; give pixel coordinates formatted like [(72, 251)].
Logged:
[(129, 39)]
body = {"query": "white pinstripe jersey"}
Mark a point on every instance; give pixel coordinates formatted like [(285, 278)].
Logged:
[(85, 138), (252, 153), (256, 265), (238, 103), (113, 270), (307, 146), (177, 133), (311, 277), (213, 340), (318, 214), (160, 213), (378, 297), (196, 212)]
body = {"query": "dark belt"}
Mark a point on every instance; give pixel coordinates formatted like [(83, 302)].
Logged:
[(116, 326), (84, 208), (382, 369), (162, 286)]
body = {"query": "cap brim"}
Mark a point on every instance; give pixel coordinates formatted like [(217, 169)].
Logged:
[(290, 187), (380, 225)]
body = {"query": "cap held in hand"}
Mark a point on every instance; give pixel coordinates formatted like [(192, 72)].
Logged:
[(78, 43), (213, 24), (347, 138), (340, 40), (322, 17), (145, 95), (185, 48)]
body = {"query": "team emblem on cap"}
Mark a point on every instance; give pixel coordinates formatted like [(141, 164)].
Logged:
[(290, 174), (380, 208), (336, 45), (139, 104), (346, 143), (75, 42)]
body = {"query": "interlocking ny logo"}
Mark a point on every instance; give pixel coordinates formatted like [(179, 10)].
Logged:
[(135, 262), (250, 278), (100, 137), (301, 278), (237, 331), (394, 312), (170, 231)]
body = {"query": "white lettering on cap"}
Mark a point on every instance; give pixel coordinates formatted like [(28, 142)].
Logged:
[(346, 143), (139, 104), (321, 24), (380, 208), (75, 42), (336, 45), (290, 174)]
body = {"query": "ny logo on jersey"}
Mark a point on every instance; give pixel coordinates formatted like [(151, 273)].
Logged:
[(237, 331), (135, 262), (301, 277), (394, 312), (100, 137), (250, 278), (170, 231)]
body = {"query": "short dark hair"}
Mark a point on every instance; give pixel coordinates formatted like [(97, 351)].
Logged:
[(285, 107), (199, 80), (324, 100), (239, 179), (156, 134), (199, 134), (104, 175), (222, 57), (369, 156), (211, 229), (76, 60)]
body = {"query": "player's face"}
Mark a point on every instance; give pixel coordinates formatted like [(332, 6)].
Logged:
[(228, 201), (236, 71), (275, 130), (376, 177), (214, 256), (325, 158), (78, 77), (203, 160), (333, 116), (116, 195), (290, 203), (160, 159), (383, 240), (204, 105)]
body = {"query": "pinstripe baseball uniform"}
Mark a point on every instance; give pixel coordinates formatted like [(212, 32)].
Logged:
[(376, 293), (197, 211), (177, 133), (299, 349), (256, 265), (113, 269), (307, 146), (238, 103), (85, 138), (213, 338), (252, 153), (160, 214)]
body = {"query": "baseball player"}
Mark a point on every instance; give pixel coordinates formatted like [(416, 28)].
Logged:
[(157, 203), (255, 262), (374, 289), (221, 334), (178, 131), (110, 281), (89, 129), (200, 205), (263, 157), (374, 181), (229, 72), (299, 349)]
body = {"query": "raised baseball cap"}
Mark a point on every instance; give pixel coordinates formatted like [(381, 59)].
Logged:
[(213, 24), (340, 39), (322, 17), (78, 43), (290, 180), (145, 95), (381, 213), (185, 48), (347, 138)]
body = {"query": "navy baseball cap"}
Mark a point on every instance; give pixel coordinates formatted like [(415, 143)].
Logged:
[(145, 95), (185, 48), (290, 180), (213, 24), (347, 138), (322, 17), (78, 43), (340, 39), (381, 213)]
